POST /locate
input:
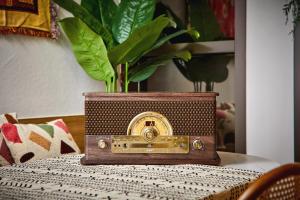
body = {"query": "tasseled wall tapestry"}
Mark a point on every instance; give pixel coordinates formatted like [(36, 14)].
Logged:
[(28, 17)]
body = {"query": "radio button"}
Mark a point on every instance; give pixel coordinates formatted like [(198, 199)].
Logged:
[(197, 144), (102, 144)]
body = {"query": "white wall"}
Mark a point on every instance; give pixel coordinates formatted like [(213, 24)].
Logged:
[(40, 77), (269, 82)]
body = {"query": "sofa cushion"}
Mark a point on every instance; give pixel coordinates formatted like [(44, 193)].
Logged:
[(5, 155), (29, 142)]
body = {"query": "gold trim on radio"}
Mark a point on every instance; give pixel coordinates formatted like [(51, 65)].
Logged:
[(161, 144)]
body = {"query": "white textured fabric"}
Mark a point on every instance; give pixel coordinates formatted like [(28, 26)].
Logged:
[(66, 178)]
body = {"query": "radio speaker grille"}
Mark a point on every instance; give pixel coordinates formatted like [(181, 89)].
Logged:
[(186, 117)]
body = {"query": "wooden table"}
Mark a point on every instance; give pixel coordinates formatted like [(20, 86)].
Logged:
[(66, 178), (248, 162)]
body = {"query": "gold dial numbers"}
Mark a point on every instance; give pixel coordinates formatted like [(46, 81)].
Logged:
[(150, 132), (149, 124)]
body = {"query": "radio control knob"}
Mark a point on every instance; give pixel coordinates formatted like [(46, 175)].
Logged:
[(150, 134), (102, 144), (197, 144)]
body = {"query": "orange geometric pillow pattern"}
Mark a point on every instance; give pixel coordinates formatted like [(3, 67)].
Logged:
[(5, 155), (28, 142)]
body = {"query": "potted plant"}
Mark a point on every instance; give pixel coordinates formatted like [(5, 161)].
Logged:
[(206, 68), (105, 35)]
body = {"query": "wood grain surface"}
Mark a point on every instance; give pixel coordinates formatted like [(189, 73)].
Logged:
[(95, 155)]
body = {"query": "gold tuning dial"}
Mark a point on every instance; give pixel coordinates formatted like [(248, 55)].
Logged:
[(150, 125), (150, 132)]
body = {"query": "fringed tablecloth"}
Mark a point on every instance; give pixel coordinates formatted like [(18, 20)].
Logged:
[(66, 178)]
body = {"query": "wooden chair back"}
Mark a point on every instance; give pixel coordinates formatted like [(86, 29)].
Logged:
[(280, 183)]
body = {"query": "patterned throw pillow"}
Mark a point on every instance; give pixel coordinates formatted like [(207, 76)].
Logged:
[(5, 155), (29, 142)]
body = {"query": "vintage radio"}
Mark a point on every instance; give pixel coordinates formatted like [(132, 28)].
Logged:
[(150, 128)]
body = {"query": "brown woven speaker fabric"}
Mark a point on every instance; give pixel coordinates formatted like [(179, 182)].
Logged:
[(189, 114)]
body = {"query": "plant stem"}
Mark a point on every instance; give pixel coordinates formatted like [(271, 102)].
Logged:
[(126, 77), (106, 87), (114, 83), (139, 86), (109, 85)]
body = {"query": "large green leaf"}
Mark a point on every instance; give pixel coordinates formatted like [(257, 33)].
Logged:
[(108, 10), (131, 15), (86, 17), (145, 70), (160, 9), (89, 49), (144, 73), (204, 20), (165, 39), (138, 42), (92, 6)]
